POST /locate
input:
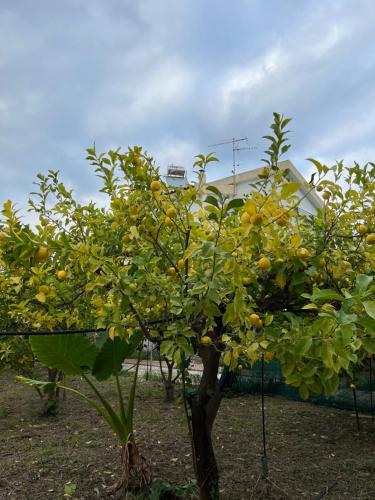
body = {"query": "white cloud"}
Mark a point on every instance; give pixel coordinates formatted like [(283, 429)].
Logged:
[(132, 98)]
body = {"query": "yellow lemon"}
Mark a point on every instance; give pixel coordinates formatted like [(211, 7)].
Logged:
[(181, 264), (264, 263), (41, 254), (61, 275), (155, 186), (171, 212), (254, 318), (245, 218), (206, 340)]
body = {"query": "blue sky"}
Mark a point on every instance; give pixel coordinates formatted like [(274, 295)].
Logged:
[(176, 76)]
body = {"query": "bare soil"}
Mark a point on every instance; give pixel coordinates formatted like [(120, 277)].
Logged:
[(311, 449)]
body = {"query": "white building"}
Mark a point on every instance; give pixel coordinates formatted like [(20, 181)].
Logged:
[(239, 185)]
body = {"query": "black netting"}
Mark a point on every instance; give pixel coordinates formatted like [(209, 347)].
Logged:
[(248, 381)]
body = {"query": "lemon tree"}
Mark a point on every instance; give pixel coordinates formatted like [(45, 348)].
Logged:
[(228, 278)]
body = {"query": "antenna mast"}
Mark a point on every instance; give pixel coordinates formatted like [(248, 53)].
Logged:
[(235, 147)]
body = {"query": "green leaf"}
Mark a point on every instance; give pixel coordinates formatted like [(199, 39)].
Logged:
[(362, 282), (214, 190), (369, 344), (236, 203), (111, 356), (46, 387), (304, 391), (69, 353), (303, 345), (298, 278), (367, 323), (310, 306), (326, 296), (212, 201), (185, 345), (369, 306), (289, 189), (166, 347)]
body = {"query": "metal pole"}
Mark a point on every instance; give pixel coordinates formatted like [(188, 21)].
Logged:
[(371, 388), (264, 458)]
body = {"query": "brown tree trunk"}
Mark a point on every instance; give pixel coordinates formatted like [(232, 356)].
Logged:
[(204, 407), (169, 391), (168, 380), (135, 471)]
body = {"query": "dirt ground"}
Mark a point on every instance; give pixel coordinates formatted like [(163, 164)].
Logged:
[(310, 448)]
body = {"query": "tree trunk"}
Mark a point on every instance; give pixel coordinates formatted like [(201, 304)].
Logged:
[(135, 471), (168, 380), (169, 391), (204, 407)]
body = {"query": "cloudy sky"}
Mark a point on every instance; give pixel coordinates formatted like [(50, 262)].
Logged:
[(176, 76)]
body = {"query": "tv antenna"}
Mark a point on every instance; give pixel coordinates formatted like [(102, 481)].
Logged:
[(235, 148)]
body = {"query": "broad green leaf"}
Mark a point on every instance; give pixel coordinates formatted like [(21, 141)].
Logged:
[(69, 353), (111, 356)]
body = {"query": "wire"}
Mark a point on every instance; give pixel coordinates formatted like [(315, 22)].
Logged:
[(85, 330)]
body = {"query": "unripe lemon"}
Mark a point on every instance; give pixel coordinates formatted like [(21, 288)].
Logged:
[(44, 289), (256, 219), (155, 186), (362, 229), (279, 262), (326, 195), (126, 238), (259, 324), (245, 218), (264, 263), (181, 264), (370, 239), (171, 271), (206, 340), (41, 254), (254, 318), (303, 253), (246, 280), (168, 221), (319, 188), (133, 286), (61, 275), (171, 212)]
